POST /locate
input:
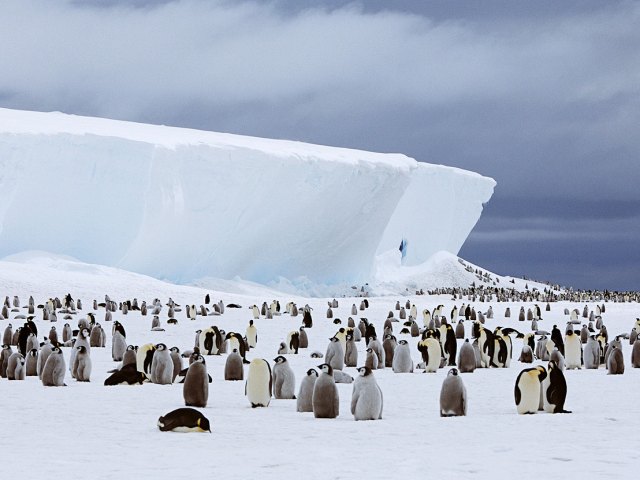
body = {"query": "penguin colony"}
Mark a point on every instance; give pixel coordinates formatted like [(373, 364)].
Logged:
[(456, 340)]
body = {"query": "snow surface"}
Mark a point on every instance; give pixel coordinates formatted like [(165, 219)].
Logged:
[(110, 432), (183, 204)]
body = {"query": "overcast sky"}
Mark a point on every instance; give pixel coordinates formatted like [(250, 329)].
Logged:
[(543, 96)]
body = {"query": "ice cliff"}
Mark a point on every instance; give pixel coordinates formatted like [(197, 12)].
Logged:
[(183, 204)]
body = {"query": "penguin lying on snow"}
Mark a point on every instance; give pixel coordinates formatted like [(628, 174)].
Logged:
[(184, 420)]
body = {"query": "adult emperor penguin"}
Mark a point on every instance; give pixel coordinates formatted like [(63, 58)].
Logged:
[(161, 366), (259, 383), (284, 380), (184, 420), (351, 352), (429, 347), (556, 337), (81, 369), (304, 401), (325, 400), (54, 370), (402, 361), (233, 367), (118, 346), (335, 354), (366, 398), (554, 390), (466, 358), (528, 389), (293, 341), (453, 396), (144, 357), (196, 384), (573, 350), (252, 335)]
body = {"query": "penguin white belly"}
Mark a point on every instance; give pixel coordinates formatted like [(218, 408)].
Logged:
[(529, 394), (573, 351), (434, 356)]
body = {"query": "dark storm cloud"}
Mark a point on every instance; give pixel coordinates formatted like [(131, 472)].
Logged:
[(542, 96)]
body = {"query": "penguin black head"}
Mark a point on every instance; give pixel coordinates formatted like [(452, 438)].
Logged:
[(337, 321), (197, 358), (349, 336), (364, 371), (280, 359), (312, 372), (81, 349), (369, 350), (175, 350), (404, 342), (334, 339), (326, 368), (250, 322), (235, 350), (453, 372), (131, 347), (203, 423), (161, 346)]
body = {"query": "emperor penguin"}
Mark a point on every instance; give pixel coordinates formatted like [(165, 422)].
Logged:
[(389, 344), (43, 355), (66, 333), (252, 335), (591, 354), (375, 345), (303, 340), (6, 352), (53, 335), (54, 370), (32, 363), (129, 357), (81, 369), (460, 329), (174, 352), (7, 338), (615, 362), (161, 366), (144, 357), (97, 336), (556, 337), (528, 389), (15, 367), (325, 400), (584, 334), (466, 358), (184, 420), (335, 354), (305, 394), (557, 358), (82, 340), (554, 390), (371, 359), (284, 380), (351, 352), (453, 396), (233, 367), (402, 361), (573, 350), (449, 343), (429, 347), (366, 398), (293, 341), (259, 383), (635, 355), (118, 346), (196, 384)]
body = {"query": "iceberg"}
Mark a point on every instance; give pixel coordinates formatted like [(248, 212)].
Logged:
[(183, 204)]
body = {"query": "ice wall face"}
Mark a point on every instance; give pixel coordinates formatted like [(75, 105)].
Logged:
[(437, 212), (182, 204)]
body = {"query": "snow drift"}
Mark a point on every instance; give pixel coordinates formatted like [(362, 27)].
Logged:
[(183, 204)]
